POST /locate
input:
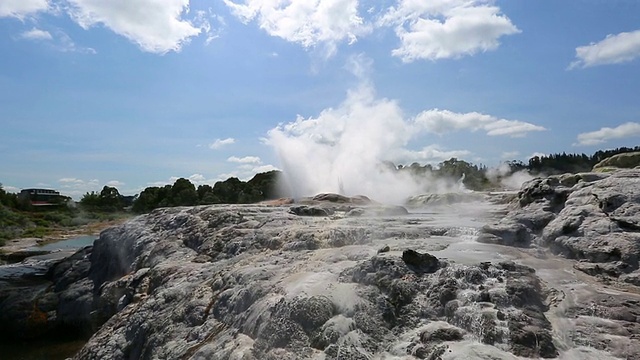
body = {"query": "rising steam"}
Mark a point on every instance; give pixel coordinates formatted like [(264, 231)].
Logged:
[(348, 149), (344, 149)]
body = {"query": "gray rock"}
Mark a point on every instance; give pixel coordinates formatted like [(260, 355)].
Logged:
[(258, 282), (592, 217)]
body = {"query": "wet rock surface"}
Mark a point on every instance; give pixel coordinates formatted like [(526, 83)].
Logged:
[(262, 282), (590, 217)]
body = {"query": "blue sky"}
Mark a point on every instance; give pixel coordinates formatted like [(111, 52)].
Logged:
[(135, 93)]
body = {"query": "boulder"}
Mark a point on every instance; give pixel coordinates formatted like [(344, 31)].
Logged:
[(421, 262)]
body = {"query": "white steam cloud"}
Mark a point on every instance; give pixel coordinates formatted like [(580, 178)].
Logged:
[(347, 149), (342, 149), (510, 181)]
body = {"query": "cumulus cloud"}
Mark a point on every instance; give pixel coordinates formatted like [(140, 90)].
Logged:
[(22, 8), (245, 160), (76, 187), (10, 189), (429, 154), (114, 183), (308, 23), (196, 179), (218, 143), (614, 49), (246, 172), (36, 34), (443, 121), (263, 169), (155, 26), (441, 29), (626, 130)]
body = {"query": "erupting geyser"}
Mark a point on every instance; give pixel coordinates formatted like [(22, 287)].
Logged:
[(345, 149)]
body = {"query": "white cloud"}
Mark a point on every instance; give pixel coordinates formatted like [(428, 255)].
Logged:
[(114, 183), (245, 160), (442, 121), (70, 181), (58, 40), (246, 172), (21, 8), (65, 44), (11, 189), (309, 23), (625, 130), (195, 179), (538, 154), (614, 49), (156, 26), (442, 29), (263, 168), (76, 188), (430, 154), (218, 143), (36, 34)]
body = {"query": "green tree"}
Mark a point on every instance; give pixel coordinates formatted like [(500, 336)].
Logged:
[(206, 196), (147, 200), (183, 193), (90, 200), (110, 199)]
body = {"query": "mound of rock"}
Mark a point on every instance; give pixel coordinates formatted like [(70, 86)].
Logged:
[(592, 217), (261, 282), (619, 161)]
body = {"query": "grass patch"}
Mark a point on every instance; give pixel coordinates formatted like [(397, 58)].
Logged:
[(40, 223)]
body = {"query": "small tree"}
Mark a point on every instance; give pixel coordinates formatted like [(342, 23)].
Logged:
[(110, 199), (90, 200)]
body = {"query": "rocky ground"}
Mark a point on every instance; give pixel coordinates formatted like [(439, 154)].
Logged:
[(345, 278)]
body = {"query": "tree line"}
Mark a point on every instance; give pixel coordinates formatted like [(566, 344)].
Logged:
[(572, 163), (476, 177), (184, 193), (264, 186)]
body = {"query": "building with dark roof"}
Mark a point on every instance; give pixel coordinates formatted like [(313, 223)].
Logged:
[(42, 197)]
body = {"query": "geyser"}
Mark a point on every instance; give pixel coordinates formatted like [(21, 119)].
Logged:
[(345, 149)]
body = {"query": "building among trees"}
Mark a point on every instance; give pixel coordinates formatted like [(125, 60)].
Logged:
[(42, 197)]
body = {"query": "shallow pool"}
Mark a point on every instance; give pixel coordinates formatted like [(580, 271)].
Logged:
[(73, 243)]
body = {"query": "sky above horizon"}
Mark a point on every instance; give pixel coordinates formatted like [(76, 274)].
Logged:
[(137, 93)]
